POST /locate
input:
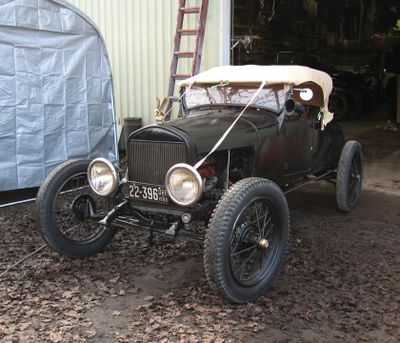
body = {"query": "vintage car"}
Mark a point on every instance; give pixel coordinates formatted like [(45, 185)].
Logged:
[(245, 136)]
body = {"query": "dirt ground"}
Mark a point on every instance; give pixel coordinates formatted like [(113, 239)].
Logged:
[(339, 283)]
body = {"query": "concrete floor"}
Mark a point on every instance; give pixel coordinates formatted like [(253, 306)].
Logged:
[(381, 152)]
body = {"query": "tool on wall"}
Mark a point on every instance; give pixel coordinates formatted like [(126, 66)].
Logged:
[(198, 33)]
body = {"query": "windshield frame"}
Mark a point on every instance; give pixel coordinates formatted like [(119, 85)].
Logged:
[(186, 110)]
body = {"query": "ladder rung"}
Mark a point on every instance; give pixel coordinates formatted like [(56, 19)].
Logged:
[(181, 76), (190, 10), (184, 54), (188, 32)]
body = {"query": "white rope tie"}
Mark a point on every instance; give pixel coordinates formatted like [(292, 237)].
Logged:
[(220, 141)]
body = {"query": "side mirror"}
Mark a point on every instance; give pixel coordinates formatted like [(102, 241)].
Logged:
[(293, 107)]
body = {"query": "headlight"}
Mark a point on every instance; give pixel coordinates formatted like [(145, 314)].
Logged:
[(184, 184), (102, 176)]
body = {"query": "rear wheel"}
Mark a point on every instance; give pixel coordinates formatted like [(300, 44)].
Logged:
[(331, 144), (246, 239), (349, 176), (68, 212)]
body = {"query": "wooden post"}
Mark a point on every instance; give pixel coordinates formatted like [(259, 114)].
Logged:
[(398, 99)]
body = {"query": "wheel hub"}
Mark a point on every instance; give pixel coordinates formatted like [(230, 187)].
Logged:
[(248, 238), (263, 243), (83, 207)]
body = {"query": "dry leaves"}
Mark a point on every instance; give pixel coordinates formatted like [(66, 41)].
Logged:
[(336, 282)]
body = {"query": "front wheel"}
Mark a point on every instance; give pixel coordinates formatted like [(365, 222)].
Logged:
[(246, 239), (68, 212)]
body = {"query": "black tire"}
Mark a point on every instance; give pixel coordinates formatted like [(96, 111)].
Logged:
[(227, 240), (375, 87), (355, 99), (330, 147), (339, 104), (349, 176), (65, 200)]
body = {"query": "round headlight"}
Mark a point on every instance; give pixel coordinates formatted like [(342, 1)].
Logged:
[(184, 184), (102, 176)]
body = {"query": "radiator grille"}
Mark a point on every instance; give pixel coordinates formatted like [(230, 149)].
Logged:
[(149, 161)]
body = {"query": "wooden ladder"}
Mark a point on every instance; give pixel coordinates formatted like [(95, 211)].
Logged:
[(198, 33)]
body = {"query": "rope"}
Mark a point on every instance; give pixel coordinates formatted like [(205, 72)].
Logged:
[(22, 260), (220, 141)]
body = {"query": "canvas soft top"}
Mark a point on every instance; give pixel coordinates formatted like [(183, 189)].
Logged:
[(273, 75), (255, 74)]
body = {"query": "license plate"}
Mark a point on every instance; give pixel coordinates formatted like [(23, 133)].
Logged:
[(147, 192)]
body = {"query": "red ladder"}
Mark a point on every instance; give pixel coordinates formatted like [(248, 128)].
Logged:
[(177, 54)]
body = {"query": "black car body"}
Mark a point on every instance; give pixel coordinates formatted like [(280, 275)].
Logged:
[(258, 147), (226, 164)]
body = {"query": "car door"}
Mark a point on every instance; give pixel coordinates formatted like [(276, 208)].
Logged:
[(301, 133)]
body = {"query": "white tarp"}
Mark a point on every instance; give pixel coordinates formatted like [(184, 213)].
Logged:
[(56, 96)]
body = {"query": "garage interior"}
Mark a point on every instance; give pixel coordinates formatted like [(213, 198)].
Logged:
[(356, 41)]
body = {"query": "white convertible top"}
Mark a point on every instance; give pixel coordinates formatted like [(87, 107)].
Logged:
[(272, 75)]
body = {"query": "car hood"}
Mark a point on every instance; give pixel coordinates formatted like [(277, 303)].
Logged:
[(207, 127)]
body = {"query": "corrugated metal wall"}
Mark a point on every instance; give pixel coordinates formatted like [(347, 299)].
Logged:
[(139, 36)]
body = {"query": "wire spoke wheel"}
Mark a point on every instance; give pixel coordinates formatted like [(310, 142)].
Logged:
[(354, 187), (349, 176), (246, 239), (68, 212), (254, 242), (77, 209)]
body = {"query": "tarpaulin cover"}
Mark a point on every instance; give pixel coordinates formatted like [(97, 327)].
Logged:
[(56, 96)]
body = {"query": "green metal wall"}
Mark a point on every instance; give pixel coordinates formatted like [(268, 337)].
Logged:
[(139, 36)]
